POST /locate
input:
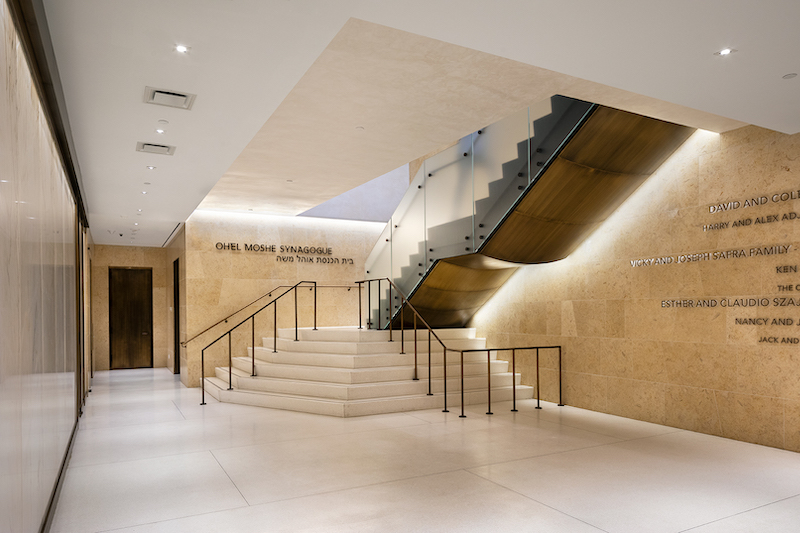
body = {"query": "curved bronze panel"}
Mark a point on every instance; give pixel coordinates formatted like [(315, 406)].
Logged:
[(606, 160), (452, 292)]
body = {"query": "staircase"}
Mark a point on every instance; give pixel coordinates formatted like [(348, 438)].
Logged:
[(349, 372), (528, 189)]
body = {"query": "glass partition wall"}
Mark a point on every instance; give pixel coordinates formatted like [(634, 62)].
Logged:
[(460, 195)]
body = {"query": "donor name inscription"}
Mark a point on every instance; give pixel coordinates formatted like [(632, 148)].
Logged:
[(752, 202), (737, 253)]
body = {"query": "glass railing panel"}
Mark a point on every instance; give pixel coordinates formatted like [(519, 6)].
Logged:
[(501, 154), (378, 265), (409, 256), (448, 209)]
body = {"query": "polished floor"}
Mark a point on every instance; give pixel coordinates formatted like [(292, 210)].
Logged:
[(148, 458)]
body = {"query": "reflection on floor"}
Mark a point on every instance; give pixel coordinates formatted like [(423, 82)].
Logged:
[(148, 458)]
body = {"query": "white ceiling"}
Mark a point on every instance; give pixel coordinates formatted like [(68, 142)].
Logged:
[(282, 84)]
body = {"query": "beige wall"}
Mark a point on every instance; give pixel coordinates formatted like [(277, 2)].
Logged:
[(104, 257), (693, 368), (220, 282)]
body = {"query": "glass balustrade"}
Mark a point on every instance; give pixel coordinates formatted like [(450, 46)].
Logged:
[(461, 195)]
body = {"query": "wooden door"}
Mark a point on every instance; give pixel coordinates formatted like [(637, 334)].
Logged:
[(130, 317)]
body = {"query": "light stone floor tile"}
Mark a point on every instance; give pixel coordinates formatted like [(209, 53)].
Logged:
[(148, 458), (454, 501), (779, 517), (665, 483), (109, 496)]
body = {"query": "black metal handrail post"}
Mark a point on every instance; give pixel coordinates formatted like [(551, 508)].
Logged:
[(390, 314), (415, 348), (402, 327), (560, 400), (315, 306), (230, 363), (462, 415), (430, 392), (253, 340), (295, 314), (444, 368), (378, 326), (514, 380), (369, 304), (538, 388), (489, 380), (359, 303), (203, 375)]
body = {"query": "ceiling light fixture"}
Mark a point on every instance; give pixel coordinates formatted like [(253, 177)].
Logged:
[(163, 121), (144, 192), (3, 181), (150, 167), (140, 210), (725, 52), (160, 131), (790, 76), (135, 223), (181, 48)]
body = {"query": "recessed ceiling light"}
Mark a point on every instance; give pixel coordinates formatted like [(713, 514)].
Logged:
[(725, 52), (3, 181), (163, 121), (359, 127), (147, 183), (160, 131), (150, 167), (181, 48), (135, 223), (790, 76), (31, 218), (140, 210), (144, 192)]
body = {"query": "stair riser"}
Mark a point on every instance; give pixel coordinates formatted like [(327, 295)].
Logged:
[(348, 348), (364, 335), (362, 361), (366, 375), (362, 408), (359, 392)]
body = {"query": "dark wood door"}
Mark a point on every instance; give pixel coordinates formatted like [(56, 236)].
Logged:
[(130, 302)]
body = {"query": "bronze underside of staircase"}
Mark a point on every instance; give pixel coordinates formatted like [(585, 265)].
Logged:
[(608, 158)]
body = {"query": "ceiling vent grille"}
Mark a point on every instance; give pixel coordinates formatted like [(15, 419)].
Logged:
[(168, 98), (152, 148)]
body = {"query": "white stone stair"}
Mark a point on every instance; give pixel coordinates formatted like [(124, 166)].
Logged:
[(352, 372)]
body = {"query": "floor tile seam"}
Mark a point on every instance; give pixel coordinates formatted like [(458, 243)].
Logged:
[(355, 487), (741, 513), (548, 454), (149, 458), (133, 425), (179, 410), (229, 478), (537, 501), (671, 429), (166, 520)]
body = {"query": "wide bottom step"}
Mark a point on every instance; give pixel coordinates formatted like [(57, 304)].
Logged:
[(218, 389)]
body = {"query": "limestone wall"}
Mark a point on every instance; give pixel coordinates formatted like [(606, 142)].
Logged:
[(683, 309)]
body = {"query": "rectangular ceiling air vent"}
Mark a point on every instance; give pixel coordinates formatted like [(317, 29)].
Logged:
[(168, 98), (152, 148)]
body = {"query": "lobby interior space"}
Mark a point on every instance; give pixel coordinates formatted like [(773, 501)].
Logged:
[(170, 169)]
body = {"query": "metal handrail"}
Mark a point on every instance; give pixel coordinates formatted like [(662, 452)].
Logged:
[(513, 375), (184, 343), (251, 318), (403, 302)]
